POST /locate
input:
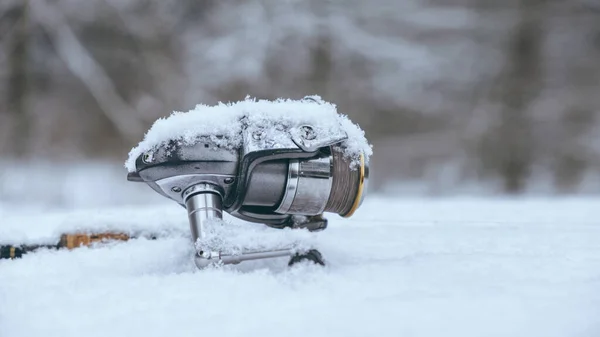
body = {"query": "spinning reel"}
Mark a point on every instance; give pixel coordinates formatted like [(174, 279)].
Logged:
[(281, 176)]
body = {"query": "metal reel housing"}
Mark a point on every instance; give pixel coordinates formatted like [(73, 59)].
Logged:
[(258, 182), (273, 177)]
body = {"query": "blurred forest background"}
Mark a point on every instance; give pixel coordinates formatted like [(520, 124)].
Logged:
[(499, 96)]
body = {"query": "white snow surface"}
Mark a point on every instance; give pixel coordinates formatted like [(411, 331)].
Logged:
[(235, 237), (224, 120), (398, 267)]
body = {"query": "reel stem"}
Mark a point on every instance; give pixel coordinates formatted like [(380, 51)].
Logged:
[(204, 203)]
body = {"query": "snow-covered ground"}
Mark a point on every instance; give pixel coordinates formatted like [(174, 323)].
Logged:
[(399, 267)]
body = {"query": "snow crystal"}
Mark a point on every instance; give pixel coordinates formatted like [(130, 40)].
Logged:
[(237, 237), (223, 124)]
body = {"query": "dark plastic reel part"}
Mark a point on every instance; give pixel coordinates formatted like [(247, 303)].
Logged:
[(312, 255)]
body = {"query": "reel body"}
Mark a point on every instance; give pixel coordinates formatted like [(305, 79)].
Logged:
[(281, 176)]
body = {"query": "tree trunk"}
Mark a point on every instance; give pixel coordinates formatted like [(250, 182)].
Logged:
[(17, 80), (519, 89)]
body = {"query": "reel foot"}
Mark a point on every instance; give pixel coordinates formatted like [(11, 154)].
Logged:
[(312, 255)]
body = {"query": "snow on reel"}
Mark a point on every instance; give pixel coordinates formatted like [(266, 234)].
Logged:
[(280, 163)]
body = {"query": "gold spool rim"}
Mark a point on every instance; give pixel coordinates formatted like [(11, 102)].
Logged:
[(361, 186)]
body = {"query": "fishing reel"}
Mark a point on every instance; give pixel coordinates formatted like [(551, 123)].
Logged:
[(283, 176)]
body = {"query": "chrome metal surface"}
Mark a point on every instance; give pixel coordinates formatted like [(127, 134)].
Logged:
[(202, 188), (203, 204), (291, 187), (267, 184), (173, 186), (209, 258), (314, 187)]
